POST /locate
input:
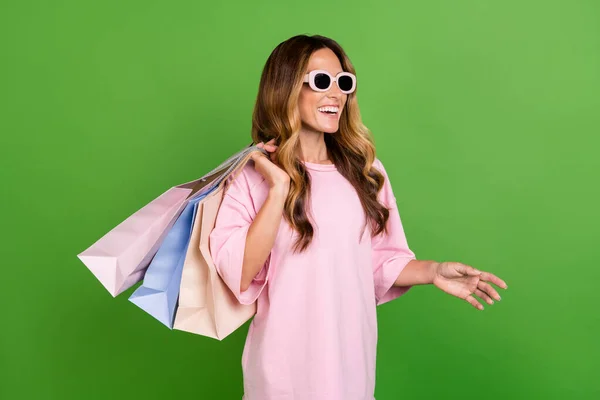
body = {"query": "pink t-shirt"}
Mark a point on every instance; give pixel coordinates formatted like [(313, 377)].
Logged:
[(314, 335)]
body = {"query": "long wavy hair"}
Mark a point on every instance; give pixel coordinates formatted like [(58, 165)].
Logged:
[(351, 148)]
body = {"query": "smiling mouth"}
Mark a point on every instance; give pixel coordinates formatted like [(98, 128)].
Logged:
[(332, 115), (329, 110)]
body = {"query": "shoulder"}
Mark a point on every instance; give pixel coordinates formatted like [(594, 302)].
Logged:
[(386, 194), (245, 182), (249, 177), (379, 165)]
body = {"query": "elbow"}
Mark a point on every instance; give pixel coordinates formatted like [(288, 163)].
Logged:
[(244, 286), (246, 279), (244, 282), (251, 274)]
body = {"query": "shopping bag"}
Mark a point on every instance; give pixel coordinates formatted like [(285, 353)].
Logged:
[(206, 305), (159, 292), (120, 257)]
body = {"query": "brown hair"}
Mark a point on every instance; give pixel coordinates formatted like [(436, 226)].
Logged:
[(351, 148)]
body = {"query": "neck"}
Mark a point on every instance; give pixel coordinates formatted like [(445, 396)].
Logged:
[(312, 147)]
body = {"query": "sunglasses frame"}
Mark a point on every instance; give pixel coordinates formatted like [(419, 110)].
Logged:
[(310, 79)]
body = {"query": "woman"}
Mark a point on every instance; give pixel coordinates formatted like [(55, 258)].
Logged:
[(313, 234)]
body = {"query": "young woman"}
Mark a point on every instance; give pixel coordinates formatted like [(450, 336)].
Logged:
[(313, 235)]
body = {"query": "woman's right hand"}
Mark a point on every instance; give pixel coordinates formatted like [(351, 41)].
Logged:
[(275, 176)]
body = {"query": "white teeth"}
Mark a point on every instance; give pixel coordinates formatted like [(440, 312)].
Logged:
[(329, 109)]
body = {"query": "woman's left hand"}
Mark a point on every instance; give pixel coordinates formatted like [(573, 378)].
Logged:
[(463, 281)]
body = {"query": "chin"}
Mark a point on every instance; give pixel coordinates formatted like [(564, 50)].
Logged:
[(328, 128), (317, 128)]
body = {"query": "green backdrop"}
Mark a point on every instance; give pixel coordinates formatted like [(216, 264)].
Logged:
[(485, 113)]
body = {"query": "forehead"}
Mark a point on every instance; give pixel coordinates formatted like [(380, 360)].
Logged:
[(325, 59)]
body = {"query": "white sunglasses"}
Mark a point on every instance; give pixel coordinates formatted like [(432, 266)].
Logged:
[(321, 80)]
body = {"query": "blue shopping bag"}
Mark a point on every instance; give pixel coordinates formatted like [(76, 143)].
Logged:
[(160, 290)]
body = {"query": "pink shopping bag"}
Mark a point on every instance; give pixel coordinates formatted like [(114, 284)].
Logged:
[(119, 258)]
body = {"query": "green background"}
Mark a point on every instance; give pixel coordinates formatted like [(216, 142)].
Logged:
[(485, 113)]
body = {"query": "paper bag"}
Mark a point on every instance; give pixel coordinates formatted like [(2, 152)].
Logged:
[(159, 292)]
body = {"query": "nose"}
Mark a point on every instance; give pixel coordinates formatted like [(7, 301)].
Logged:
[(334, 91)]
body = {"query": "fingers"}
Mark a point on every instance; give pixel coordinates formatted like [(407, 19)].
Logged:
[(474, 302), (271, 156), (484, 276), (487, 276), (467, 270), (256, 155), (488, 289), (269, 146), (482, 295), (484, 291)]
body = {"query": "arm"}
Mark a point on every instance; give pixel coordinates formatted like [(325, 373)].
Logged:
[(242, 238), (391, 253), (396, 269), (417, 272), (261, 235)]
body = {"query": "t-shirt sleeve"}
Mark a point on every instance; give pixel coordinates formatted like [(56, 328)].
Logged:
[(227, 240), (390, 253)]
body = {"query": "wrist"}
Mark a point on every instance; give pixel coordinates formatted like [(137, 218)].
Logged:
[(432, 271), (279, 192), (417, 272)]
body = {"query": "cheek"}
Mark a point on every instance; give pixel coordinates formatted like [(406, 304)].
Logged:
[(307, 103)]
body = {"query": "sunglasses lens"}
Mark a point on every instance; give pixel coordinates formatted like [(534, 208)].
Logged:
[(322, 81), (345, 83)]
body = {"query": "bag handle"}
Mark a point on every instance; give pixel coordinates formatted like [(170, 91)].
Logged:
[(232, 160)]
